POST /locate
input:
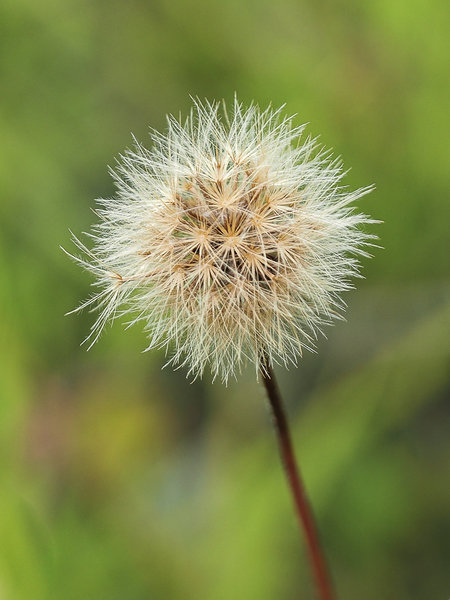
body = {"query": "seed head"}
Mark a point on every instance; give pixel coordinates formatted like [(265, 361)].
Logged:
[(231, 239)]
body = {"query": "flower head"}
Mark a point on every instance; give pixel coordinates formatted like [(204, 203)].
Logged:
[(231, 239)]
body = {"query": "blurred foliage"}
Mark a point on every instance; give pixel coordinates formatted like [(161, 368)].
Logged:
[(119, 480)]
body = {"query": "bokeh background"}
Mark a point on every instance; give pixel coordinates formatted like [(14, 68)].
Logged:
[(119, 480)]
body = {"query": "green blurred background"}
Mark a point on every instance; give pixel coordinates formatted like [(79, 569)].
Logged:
[(122, 481)]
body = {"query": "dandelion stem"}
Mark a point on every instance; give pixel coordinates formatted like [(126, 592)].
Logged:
[(303, 509)]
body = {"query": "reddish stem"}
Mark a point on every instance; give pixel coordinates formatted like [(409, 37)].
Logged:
[(304, 511)]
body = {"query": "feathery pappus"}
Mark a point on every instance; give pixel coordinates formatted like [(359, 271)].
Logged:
[(231, 239)]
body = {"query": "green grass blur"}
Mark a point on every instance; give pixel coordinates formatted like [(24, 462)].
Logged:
[(122, 481)]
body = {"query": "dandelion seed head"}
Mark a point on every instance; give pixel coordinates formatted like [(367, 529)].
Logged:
[(231, 239)]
